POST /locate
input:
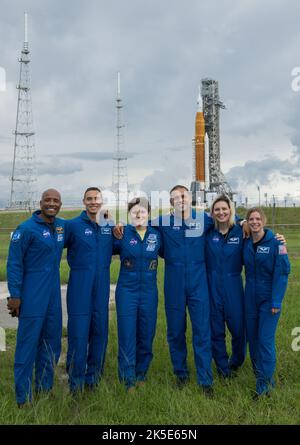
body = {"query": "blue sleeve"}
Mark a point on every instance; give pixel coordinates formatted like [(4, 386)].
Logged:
[(161, 246), (237, 219), (67, 238), (280, 275), (208, 222), (116, 246), (19, 243), (156, 223), (69, 233)]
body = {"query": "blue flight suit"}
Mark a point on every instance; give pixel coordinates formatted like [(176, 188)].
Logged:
[(136, 302), (89, 256), (33, 276), (185, 285), (267, 267), (224, 262)]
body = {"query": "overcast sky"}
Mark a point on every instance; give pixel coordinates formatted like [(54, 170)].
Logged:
[(163, 49)]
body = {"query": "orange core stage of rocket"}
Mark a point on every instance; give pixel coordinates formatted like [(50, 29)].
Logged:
[(200, 145)]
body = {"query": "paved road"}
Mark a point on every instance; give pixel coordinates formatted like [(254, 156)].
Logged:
[(6, 321)]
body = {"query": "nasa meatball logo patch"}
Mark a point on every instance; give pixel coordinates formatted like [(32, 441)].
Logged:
[(88, 232), (133, 242), (261, 249), (46, 234)]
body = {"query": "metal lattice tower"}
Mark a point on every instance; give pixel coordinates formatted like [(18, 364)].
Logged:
[(120, 180), (24, 175), (211, 109)]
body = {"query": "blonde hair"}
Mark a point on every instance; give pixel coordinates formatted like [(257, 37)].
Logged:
[(230, 204)]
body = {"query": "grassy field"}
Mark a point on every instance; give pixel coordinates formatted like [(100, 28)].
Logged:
[(159, 402), (283, 218)]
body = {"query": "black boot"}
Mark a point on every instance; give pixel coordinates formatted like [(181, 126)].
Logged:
[(181, 382), (208, 391)]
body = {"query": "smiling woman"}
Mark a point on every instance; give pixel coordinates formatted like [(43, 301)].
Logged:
[(267, 267), (224, 247), (136, 294)]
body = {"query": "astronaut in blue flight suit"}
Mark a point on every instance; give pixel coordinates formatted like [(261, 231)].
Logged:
[(185, 286), (267, 267), (136, 294), (34, 285), (224, 262), (89, 245)]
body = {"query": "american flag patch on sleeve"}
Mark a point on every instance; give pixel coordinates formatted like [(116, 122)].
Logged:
[(282, 249)]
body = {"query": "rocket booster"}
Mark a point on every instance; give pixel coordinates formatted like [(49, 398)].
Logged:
[(200, 145)]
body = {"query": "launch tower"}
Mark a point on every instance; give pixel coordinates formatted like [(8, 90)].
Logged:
[(120, 180), (24, 175), (211, 111), (208, 176)]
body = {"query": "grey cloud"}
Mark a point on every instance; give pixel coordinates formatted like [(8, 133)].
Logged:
[(293, 121), (58, 167), (156, 181), (261, 172), (166, 178), (54, 169), (94, 155), (178, 148), (5, 168), (5, 139), (162, 53)]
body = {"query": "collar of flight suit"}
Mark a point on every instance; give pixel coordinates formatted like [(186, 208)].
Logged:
[(103, 223), (234, 230), (83, 215), (133, 229), (35, 216), (268, 236), (178, 220)]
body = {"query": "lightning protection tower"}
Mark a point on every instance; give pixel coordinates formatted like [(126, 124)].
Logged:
[(24, 176), (211, 109), (120, 180)]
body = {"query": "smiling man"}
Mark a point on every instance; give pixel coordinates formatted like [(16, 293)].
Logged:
[(89, 244), (185, 287), (34, 286)]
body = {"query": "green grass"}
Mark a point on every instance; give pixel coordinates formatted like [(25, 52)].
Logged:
[(159, 402), (10, 220)]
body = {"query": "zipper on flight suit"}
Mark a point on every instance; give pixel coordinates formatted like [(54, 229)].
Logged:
[(141, 242)]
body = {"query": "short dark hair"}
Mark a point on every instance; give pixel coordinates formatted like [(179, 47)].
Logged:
[(96, 189), (143, 202), (178, 186)]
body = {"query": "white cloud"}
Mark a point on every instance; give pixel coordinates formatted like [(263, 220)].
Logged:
[(162, 52)]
